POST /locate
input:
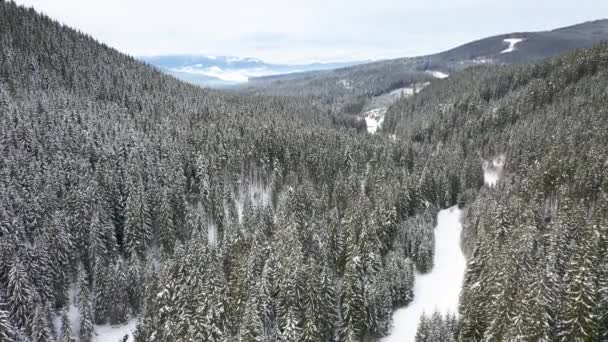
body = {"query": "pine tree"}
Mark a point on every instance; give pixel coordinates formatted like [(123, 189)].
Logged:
[(84, 305), (252, 329), (579, 317), (352, 304), (167, 234), (102, 305), (19, 292), (290, 330), (138, 226), (119, 299), (423, 331), (41, 329), (7, 331), (66, 329)]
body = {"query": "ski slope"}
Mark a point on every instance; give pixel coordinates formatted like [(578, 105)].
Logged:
[(512, 42), (438, 290)]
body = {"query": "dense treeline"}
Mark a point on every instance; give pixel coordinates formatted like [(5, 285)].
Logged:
[(207, 216), (537, 243)]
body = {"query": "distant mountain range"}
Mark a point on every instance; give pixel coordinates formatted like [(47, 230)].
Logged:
[(225, 71)]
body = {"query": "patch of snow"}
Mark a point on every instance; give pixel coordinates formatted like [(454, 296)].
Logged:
[(346, 84), (374, 119), (407, 91), (212, 234), (420, 86), (103, 333), (114, 333), (512, 42), (438, 290), (492, 171), (235, 75), (438, 74), (483, 60)]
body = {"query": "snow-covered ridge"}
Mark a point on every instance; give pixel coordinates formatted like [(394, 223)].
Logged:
[(438, 290), (512, 42)]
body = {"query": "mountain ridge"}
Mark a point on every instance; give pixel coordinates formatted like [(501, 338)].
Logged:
[(226, 71), (491, 50)]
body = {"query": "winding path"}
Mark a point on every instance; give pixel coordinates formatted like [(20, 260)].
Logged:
[(439, 289)]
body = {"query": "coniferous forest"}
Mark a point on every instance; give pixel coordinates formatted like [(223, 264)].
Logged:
[(209, 215)]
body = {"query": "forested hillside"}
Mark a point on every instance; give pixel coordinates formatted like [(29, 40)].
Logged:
[(204, 215), (380, 77), (537, 242), (212, 216)]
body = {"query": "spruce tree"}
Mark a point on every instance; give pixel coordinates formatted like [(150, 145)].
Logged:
[(66, 329), (85, 307)]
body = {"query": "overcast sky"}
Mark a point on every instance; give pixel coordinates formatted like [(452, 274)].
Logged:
[(305, 30)]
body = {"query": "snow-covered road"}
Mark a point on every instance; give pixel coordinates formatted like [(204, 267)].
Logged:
[(439, 289)]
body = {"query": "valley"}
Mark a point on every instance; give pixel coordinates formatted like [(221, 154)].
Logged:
[(456, 196)]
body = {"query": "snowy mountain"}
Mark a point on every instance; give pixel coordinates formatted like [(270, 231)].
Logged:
[(222, 71), (384, 76)]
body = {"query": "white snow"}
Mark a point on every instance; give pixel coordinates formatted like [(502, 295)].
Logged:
[(212, 234), (492, 171), (346, 84), (103, 333), (236, 75), (438, 290), (512, 42), (114, 333), (374, 119), (407, 91), (437, 74)]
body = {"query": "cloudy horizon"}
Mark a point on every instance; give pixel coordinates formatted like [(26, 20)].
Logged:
[(308, 30)]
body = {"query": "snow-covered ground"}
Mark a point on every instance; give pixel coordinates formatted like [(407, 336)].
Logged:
[(374, 112), (438, 74), (438, 290), (492, 171), (103, 333), (512, 42), (346, 84), (407, 91), (374, 119)]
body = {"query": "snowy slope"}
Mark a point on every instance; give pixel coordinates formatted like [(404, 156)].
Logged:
[(512, 42), (439, 289)]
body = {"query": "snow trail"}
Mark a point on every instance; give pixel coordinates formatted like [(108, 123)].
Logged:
[(438, 290)]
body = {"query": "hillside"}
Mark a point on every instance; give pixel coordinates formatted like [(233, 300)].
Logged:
[(536, 241), (380, 77), (131, 198)]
